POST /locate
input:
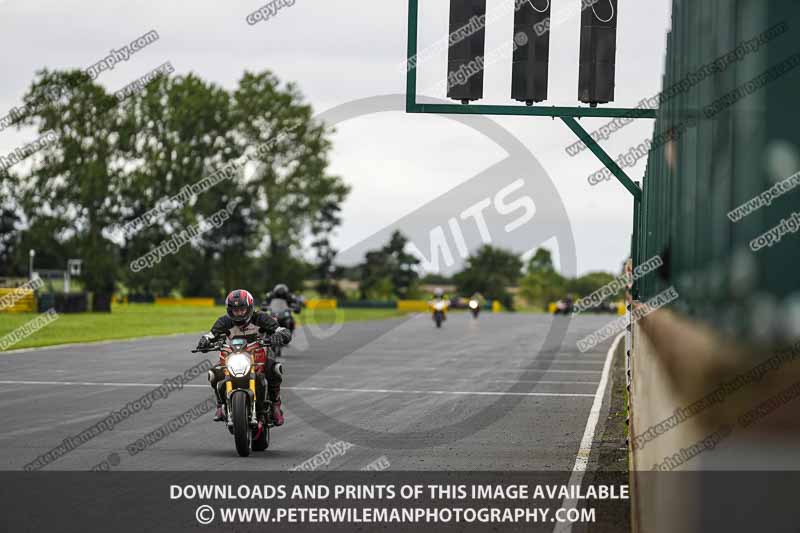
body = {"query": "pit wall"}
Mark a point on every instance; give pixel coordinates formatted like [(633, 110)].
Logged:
[(733, 408)]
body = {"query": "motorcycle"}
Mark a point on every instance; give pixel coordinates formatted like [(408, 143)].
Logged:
[(240, 356), (439, 312), (475, 308), (563, 307), (285, 319)]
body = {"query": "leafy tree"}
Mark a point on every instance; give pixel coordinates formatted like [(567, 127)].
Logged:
[(588, 283), (542, 261), (436, 279), (390, 271), (542, 287), (180, 131), (276, 130), (490, 271), (73, 185), (113, 162), (322, 227), (9, 233), (545, 286)]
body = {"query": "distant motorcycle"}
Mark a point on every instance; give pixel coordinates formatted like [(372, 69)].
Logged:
[(283, 314), (563, 307), (241, 358), (439, 312), (475, 308)]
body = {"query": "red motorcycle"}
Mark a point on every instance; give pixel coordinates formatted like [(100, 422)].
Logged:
[(243, 363)]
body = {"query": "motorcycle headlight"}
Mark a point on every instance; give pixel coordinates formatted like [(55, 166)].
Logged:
[(439, 306), (238, 364), (473, 304)]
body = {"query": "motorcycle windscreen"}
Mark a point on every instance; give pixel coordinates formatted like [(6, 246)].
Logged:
[(278, 304)]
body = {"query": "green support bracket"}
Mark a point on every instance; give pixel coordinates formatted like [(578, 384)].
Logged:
[(530, 111), (567, 114), (606, 159)]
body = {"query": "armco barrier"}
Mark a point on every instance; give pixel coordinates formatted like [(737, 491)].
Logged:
[(321, 304), (412, 306), (186, 302), (25, 304)]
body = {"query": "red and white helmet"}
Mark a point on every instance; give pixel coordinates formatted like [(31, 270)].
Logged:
[(240, 306)]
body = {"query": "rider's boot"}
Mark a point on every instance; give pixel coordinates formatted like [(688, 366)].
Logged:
[(277, 412), (219, 416)]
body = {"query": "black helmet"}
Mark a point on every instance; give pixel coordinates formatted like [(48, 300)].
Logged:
[(280, 291), (240, 306)]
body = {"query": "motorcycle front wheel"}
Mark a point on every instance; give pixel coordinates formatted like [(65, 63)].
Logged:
[(241, 423)]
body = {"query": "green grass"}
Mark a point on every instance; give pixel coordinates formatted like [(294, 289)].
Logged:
[(145, 320)]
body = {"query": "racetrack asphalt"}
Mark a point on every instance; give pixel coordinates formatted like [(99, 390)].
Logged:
[(495, 393)]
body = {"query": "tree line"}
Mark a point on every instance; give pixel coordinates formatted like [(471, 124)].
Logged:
[(112, 187), (115, 161), (391, 273)]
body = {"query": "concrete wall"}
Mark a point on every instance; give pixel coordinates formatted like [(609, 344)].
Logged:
[(710, 387)]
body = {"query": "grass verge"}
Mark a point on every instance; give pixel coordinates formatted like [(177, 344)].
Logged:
[(146, 320)]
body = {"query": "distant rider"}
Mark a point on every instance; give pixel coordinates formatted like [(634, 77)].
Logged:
[(438, 295), (280, 299), (241, 320)]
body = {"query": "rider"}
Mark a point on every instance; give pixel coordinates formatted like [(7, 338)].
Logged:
[(280, 299), (241, 319)]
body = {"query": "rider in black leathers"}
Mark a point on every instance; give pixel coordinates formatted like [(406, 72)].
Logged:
[(241, 319), (280, 299)]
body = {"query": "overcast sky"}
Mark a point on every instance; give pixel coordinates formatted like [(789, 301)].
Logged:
[(340, 51)]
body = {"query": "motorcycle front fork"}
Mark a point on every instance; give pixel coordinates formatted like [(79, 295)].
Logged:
[(254, 411)]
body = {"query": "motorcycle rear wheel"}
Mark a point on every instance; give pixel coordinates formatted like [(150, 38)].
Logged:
[(241, 423)]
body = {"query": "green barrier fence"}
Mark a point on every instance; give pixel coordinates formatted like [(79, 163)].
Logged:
[(731, 81)]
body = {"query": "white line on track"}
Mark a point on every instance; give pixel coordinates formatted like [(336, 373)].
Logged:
[(313, 389), (442, 392), (585, 450), (394, 369), (473, 379)]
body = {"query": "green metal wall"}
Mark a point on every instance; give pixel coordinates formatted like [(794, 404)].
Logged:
[(692, 182)]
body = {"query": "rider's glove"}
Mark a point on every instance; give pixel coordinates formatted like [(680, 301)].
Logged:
[(204, 343), (279, 337)]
